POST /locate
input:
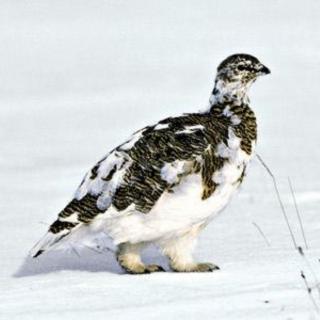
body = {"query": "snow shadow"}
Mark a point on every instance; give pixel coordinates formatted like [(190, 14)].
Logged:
[(83, 259)]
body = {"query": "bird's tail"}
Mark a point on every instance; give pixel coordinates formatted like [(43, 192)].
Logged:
[(76, 214), (48, 242), (58, 231)]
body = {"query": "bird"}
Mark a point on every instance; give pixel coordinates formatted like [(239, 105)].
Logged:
[(168, 180)]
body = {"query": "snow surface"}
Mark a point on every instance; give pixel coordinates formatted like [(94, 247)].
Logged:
[(79, 77)]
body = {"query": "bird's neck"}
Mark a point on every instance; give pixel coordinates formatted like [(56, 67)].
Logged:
[(233, 93)]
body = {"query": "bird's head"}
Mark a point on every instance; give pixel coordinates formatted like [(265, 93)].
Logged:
[(242, 68), (234, 77)]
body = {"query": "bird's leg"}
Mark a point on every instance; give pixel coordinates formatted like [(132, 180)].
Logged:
[(179, 251), (128, 256)]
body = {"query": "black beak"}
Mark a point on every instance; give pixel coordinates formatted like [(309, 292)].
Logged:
[(264, 70)]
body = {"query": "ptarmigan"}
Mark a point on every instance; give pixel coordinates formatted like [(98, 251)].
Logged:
[(169, 180)]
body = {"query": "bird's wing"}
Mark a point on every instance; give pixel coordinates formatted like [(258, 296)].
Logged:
[(138, 172), (153, 160)]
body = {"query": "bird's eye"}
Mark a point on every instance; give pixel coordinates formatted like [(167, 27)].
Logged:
[(241, 67)]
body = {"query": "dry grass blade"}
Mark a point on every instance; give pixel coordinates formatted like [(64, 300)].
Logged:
[(262, 234), (298, 213), (309, 290), (279, 199)]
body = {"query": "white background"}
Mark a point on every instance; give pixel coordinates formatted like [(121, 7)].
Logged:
[(78, 77)]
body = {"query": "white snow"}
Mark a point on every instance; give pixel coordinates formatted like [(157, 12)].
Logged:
[(78, 77), (308, 197)]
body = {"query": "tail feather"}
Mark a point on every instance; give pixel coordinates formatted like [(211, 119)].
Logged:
[(70, 219), (48, 242)]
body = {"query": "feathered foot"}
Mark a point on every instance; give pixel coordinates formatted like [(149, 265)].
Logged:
[(179, 252), (128, 256), (195, 267)]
